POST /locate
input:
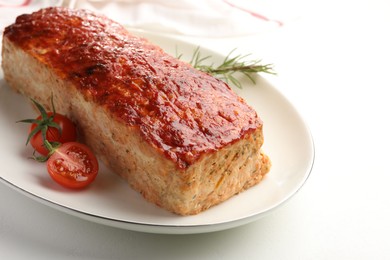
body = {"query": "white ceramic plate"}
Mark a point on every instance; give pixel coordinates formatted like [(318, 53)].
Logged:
[(110, 201)]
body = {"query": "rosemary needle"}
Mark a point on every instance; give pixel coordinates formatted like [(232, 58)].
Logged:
[(230, 66)]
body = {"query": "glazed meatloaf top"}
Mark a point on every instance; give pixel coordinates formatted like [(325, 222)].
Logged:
[(181, 111)]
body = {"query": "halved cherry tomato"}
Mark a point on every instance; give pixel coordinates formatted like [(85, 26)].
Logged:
[(73, 165), (68, 132)]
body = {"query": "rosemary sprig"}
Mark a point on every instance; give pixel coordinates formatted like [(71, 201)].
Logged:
[(231, 65)]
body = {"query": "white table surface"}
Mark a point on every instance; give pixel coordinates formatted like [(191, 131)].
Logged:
[(332, 63)]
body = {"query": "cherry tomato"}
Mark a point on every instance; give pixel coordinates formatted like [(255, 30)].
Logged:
[(73, 165), (68, 133)]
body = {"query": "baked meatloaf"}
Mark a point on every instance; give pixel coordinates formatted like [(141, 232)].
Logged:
[(180, 137)]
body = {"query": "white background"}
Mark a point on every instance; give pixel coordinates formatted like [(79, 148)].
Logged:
[(332, 60)]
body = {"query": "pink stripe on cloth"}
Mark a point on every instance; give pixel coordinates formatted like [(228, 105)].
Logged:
[(254, 14), (24, 3)]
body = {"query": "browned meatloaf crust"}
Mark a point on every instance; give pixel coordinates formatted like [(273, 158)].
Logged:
[(180, 137)]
